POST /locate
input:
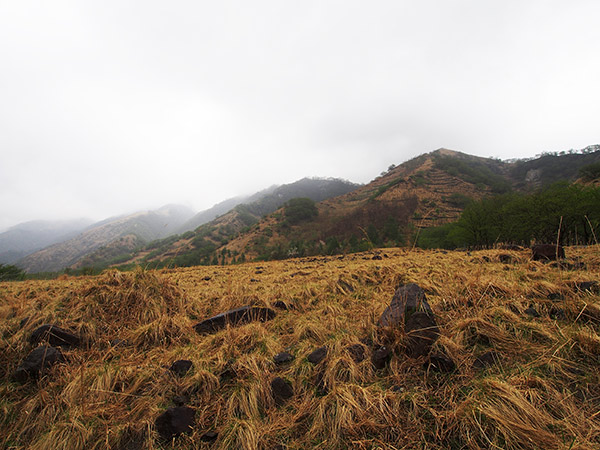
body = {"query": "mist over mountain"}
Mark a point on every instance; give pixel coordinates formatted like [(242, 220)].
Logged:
[(114, 235), (211, 213), (28, 237), (97, 243), (194, 245), (427, 191)]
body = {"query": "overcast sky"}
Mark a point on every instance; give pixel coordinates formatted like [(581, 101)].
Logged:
[(112, 106)]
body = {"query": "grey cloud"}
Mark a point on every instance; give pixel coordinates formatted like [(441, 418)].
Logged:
[(107, 107)]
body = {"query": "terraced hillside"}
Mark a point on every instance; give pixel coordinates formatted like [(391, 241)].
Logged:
[(512, 362)]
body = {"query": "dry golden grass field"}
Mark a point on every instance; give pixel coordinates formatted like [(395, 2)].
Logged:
[(541, 389)]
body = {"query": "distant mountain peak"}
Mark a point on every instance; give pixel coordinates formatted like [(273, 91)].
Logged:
[(447, 152)]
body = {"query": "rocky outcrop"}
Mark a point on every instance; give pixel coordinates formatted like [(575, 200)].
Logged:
[(381, 357), (283, 358), (37, 362), (234, 317), (407, 300), (282, 390), (55, 336), (181, 367), (317, 355), (547, 252), (175, 421), (421, 333), (409, 309), (439, 362)]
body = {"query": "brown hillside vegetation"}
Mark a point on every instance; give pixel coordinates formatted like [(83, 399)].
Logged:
[(524, 338), (415, 194), (428, 191)]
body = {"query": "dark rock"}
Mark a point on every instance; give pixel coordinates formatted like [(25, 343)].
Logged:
[(585, 286), (207, 278), (380, 357), (282, 390), (504, 258), (486, 359), (234, 317), (547, 252), (318, 355), (421, 333), (279, 304), (181, 400), (209, 436), (407, 300), (37, 362), (175, 421), (253, 280), (554, 296), (283, 358), (409, 307), (377, 257), (181, 367), (532, 312), (438, 362), (54, 336), (357, 352), (258, 272)]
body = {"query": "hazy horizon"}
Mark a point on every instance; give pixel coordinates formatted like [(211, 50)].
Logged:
[(94, 220), (114, 107)]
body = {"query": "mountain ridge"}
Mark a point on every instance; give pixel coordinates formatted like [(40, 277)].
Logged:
[(28, 237), (426, 191), (131, 230)]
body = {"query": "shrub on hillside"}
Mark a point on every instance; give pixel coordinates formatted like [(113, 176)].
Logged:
[(474, 172), (458, 200), (590, 172), (9, 273), (299, 209)]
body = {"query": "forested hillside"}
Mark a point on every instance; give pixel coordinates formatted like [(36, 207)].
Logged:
[(565, 213)]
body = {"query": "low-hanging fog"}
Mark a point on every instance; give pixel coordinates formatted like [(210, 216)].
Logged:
[(113, 106)]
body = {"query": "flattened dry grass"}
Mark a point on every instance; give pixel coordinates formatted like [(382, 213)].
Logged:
[(542, 392)]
